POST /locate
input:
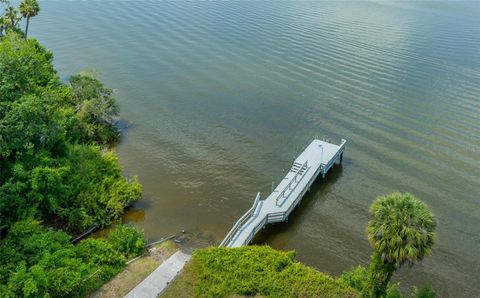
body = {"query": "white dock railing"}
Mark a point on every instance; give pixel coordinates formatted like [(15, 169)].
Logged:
[(245, 217), (302, 171), (319, 155)]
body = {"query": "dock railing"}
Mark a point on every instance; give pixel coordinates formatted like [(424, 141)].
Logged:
[(281, 195), (280, 199), (241, 221)]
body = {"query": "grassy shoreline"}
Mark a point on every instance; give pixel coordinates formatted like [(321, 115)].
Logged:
[(253, 271), (136, 271)]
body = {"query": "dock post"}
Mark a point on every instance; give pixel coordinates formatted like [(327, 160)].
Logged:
[(284, 199)]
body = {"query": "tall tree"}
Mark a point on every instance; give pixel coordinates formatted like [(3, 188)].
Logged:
[(12, 14), (28, 9), (401, 230)]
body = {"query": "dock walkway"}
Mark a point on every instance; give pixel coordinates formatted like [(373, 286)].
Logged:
[(317, 159)]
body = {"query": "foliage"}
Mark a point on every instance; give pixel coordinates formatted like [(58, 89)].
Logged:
[(357, 278), (379, 275), (25, 68), (44, 262), (28, 9), (257, 270), (96, 110), (426, 292), (32, 125), (401, 230), (53, 170), (51, 166), (11, 16), (83, 188), (127, 239)]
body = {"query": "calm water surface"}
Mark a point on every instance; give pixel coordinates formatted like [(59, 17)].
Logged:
[(224, 95)]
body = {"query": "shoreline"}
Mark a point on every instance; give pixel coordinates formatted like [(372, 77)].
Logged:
[(137, 270)]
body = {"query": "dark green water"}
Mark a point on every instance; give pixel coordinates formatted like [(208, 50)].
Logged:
[(224, 95)]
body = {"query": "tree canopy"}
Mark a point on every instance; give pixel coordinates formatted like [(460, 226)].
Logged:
[(53, 167), (401, 230), (40, 262), (58, 175)]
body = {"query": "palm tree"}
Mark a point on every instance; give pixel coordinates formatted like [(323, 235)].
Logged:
[(401, 230), (29, 8), (11, 13)]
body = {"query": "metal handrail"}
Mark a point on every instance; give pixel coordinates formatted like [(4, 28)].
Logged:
[(294, 179), (255, 230), (245, 217), (261, 224), (292, 189)]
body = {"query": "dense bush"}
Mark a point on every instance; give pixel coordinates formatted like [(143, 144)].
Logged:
[(51, 168), (357, 278), (256, 270), (25, 67), (37, 262), (127, 239), (96, 111), (426, 292)]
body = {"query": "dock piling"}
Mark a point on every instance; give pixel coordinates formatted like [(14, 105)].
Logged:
[(317, 159)]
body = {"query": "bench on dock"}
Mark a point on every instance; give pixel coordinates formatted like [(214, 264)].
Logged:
[(317, 159)]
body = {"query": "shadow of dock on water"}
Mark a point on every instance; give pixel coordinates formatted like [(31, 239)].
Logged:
[(318, 190)]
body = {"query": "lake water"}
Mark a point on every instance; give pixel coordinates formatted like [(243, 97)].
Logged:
[(224, 95)]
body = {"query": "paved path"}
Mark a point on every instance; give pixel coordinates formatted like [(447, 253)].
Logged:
[(159, 279)]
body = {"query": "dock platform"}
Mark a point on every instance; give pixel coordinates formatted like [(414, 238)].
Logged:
[(317, 159)]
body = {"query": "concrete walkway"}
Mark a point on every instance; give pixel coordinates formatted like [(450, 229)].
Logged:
[(159, 279)]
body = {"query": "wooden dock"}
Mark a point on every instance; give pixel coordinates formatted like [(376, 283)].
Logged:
[(317, 159)]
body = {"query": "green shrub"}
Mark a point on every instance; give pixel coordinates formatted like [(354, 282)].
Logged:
[(37, 262), (52, 167), (129, 240), (25, 67), (393, 291), (426, 292), (258, 270), (357, 278), (96, 110)]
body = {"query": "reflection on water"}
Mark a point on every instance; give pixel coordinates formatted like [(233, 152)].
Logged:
[(133, 214), (224, 95), (277, 235)]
